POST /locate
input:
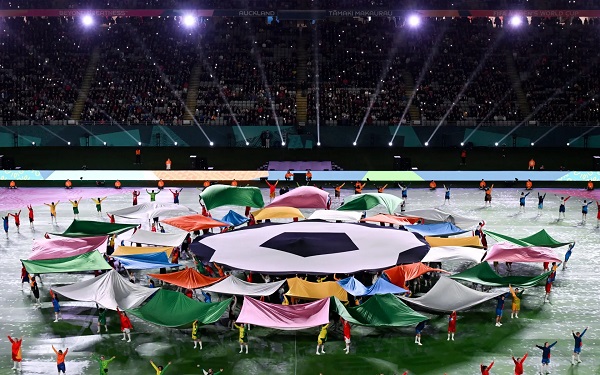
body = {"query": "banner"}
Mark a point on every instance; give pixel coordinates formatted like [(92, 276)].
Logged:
[(292, 14)]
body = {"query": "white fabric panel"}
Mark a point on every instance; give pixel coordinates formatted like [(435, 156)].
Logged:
[(434, 215), (378, 248), (449, 295), (157, 239), (452, 253), (108, 290), (235, 286), (334, 215), (147, 211)]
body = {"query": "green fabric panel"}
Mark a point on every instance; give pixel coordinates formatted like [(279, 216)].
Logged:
[(382, 310), (83, 228), (542, 238), (91, 261), (224, 195), (173, 309), (363, 202), (483, 274), (503, 237)]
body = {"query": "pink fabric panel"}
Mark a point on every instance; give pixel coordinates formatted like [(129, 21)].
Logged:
[(271, 315), (65, 247), (578, 193), (302, 197), (508, 252), (18, 199)]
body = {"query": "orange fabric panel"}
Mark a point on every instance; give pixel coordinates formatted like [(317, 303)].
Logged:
[(192, 223), (399, 275), (189, 278)]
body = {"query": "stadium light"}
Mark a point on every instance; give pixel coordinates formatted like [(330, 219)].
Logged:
[(462, 143), (87, 20), (353, 143), (105, 143), (568, 144), (211, 143), (175, 143), (283, 143), (496, 144), (318, 143), (390, 144), (516, 21), (68, 143), (426, 144), (414, 20), (532, 143), (139, 143), (189, 20), (247, 143)]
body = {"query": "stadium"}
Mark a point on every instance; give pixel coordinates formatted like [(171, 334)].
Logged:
[(232, 184)]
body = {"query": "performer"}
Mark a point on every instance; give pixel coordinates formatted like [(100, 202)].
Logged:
[(99, 205), (519, 364), (548, 288), (308, 176), (338, 189), (590, 186), (522, 201), (488, 196), (75, 205), (17, 217), (404, 191), (446, 195), (101, 319), (195, 336), (578, 344), (176, 195), (418, 329), (135, 194), (516, 301), (528, 185), (346, 326), (103, 363), (5, 222), (322, 338), (432, 185), (451, 325), (499, 309), (562, 207), (546, 351), (159, 369), (35, 291), (358, 187), (16, 352), (243, 337), (111, 218), (60, 359), (56, 306), (152, 194), (380, 189), (126, 326), (272, 189), (568, 255), (289, 175), (30, 209), (485, 370), (52, 206), (584, 211), (482, 184), (540, 203)]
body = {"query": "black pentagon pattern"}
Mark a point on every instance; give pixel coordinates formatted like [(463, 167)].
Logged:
[(311, 244)]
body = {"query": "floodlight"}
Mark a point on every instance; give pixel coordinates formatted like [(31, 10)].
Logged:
[(516, 21), (414, 20), (189, 20), (426, 144), (87, 20)]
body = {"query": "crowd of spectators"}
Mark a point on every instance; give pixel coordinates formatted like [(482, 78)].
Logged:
[(41, 65), (245, 70), (559, 69), (241, 59)]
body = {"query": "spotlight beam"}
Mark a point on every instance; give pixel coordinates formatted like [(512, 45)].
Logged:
[(422, 73), (491, 112), (317, 79), (213, 75), (464, 88), (263, 76), (380, 83), (583, 134), (547, 101)]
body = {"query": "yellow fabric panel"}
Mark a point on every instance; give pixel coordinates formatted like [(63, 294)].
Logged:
[(454, 241), (277, 213), (132, 250), (306, 290)]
